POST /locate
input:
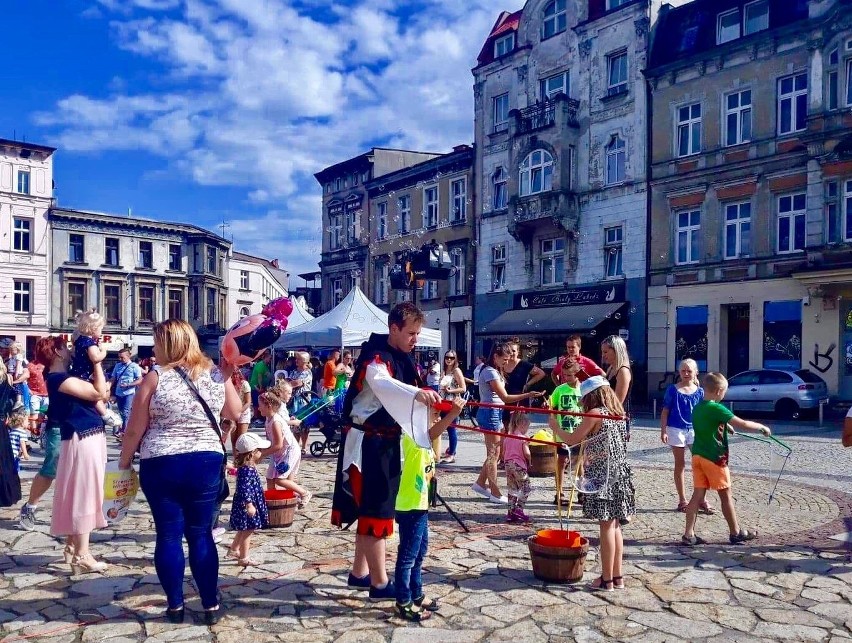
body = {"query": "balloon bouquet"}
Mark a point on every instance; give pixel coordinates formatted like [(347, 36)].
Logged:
[(246, 340)]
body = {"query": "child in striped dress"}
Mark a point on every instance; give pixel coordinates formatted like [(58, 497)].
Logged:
[(18, 420)]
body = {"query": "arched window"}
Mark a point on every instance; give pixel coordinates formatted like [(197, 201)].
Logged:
[(616, 160), (501, 196), (244, 312), (555, 19), (536, 173)]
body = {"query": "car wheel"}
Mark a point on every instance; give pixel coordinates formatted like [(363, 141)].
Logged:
[(787, 409)]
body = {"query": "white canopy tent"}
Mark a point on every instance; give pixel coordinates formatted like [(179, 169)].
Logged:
[(299, 315), (350, 323)]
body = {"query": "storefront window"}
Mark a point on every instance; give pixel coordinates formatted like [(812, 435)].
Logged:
[(782, 334), (691, 335)]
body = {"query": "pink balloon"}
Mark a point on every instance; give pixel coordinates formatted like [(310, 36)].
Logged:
[(279, 309), (238, 334)]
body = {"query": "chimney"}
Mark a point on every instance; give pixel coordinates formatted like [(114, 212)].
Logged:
[(274, 263)]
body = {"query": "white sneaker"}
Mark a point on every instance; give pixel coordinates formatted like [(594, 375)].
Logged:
[(218, 534), (498, 500), (112, 420), (482, 491)]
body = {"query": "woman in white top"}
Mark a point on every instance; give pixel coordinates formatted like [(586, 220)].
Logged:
[(451, 384), (492, 390), (181, 460)]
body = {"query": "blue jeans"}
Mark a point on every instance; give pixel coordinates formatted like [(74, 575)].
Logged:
[(453, 435), (125, 403), (413, 543), (182, 490)]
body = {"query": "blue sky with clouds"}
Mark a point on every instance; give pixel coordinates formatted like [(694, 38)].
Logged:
[(204, 110)]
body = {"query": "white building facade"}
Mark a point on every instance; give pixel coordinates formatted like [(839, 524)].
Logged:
[(560, 132), (252, 282), (26, 190)]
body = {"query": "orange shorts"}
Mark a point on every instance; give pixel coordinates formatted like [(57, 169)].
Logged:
[(709, 475)]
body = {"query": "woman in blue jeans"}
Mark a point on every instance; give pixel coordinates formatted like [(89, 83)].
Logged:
[(181, 460)]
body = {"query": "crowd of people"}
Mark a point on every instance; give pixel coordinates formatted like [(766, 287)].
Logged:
[(179, 412)]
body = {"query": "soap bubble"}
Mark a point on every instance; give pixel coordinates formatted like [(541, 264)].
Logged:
[(529, 322), (633, 310), (590, 319), (593, 333), (473, 243), (618, 315)]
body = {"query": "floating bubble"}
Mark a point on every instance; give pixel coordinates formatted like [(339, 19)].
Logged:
[(618, 315), (356, 273), (590, 319), (529, 322), (351, 256), (471, 277), (633, 310), (474, 243), (593, 332), (381, 188)]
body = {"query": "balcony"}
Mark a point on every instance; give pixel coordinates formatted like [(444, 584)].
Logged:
[(561, 111), (559, 206)]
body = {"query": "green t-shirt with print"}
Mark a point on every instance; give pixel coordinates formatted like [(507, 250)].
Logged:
[(418, 467), (709, 421), (566, 398)]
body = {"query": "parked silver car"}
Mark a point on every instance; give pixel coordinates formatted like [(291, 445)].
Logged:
[(784, 392)]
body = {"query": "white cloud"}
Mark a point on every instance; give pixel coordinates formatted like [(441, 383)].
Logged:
[(262, 94)]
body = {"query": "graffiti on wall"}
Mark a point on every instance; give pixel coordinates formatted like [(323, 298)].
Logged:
[(824, 361)]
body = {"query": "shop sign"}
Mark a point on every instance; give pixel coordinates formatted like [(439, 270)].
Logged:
[(573, 297)]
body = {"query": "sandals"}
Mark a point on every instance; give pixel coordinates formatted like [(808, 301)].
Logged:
[(247, 562), (618, 582), (706, 509), (681, 506), (692, 541), (408, 613), (743, 536), (430, 605), (447, 459), (603, 585)]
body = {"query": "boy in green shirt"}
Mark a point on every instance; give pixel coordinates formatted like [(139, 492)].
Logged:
[(565, 397), (712, 422), (412, 516)]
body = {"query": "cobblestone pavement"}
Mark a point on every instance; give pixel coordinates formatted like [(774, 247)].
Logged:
[(793, 583)]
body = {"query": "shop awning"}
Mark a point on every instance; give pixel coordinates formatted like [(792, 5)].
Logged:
[(559, 319)]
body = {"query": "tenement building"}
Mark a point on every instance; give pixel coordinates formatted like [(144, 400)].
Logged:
[(560, 159), (751, 183), (137, 272), (252, 281), (428, 202), (345, 216), (26, 191)]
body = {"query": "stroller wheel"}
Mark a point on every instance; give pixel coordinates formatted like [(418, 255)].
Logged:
[(333, 446), (317, 449)]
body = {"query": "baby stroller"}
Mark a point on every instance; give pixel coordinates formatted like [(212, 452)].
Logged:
[(329, 426)]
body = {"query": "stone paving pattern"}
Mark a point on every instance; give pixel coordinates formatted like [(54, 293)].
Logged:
[(791, 584)]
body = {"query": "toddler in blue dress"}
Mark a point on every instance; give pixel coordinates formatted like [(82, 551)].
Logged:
[(248, 510)]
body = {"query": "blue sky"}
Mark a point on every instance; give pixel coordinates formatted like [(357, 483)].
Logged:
[(204, 110)]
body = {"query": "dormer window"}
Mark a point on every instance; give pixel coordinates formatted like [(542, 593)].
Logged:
[(756, 17), (504, 45), (728, 28), (555, 19)]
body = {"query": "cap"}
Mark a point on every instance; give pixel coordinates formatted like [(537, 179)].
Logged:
[(592, 384), (248, 442)]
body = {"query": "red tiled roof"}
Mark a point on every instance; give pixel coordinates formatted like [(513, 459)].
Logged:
[(505, 23)]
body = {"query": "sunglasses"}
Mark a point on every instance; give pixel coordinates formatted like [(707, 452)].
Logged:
[(449, 356)]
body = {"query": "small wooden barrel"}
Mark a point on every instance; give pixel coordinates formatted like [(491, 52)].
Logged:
[(542, 461), (558, 564), (282, 507)]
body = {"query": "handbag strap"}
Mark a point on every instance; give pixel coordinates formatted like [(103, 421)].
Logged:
[(204, 405)]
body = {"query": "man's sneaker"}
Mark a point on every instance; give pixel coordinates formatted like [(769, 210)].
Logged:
[(359, 583), (482, 491), (27, 519), (112, 420), (386, 593), (498, 500)]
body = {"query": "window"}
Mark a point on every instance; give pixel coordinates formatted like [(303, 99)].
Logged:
[(832, 224), (76, 298), (328, 188), (552, 261), (847, 209), (792, 103), (382, 223), (211, 305), (833, 89), (458, 188), (689, 130), (196, 304), (501, 112), (555, 19), (430, 289), (756, 17), (791, 222), (737, 230), (688, 234), (244, 312), (458, 278), (849, 82), (146, 254), (381, 290), (616, 160), (498, 267), (112, 303), (617, 72), (500, 179), (211, 260), (146, 304), (728, 27), (553, 85), (22, 230), (352, 226), (336, 290), (504, 45), (355, 179), (738, 117), (244, 280), (175, 303), (536, 174), (111, 257), (22, 295), (76, 245), (613, 240), (338, 184), (365, 176), (615, 4), (430, 204), (335, 231), (23, 181), (174, 256), (404, 206)]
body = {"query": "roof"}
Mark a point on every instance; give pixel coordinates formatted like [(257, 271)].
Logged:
[(361, 161), (506, 22), (461, 158), (5, 142), (690, 30)]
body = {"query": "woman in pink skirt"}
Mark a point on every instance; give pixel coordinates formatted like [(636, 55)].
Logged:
[(79, 495)]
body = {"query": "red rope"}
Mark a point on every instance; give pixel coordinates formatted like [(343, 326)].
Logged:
[(505, 435), (527, 409)]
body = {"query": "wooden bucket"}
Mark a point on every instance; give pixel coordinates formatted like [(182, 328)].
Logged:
[(558, 564), (282, 507), (542, 461)]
